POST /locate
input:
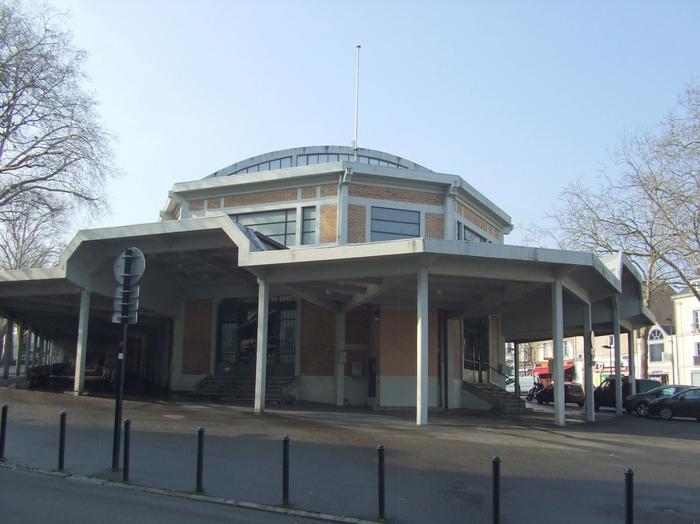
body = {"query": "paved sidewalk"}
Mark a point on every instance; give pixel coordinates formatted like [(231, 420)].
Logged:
[(439, 473)]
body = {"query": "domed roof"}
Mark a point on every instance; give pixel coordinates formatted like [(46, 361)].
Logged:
[(302, 156)]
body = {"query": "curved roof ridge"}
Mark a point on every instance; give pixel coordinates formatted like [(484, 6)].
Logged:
[(295, 156)]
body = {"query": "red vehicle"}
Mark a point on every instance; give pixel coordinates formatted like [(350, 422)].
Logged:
[(573, 394)]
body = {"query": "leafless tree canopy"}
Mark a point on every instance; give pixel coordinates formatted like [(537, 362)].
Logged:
[(54, 154), (31, 237), (651, 209)]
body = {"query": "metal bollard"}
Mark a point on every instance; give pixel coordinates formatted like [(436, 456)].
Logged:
[(381, 493), (62, 442), (3, 431), (200, 459), (496, 466), (127, 449), (285, 470), (629, 496)]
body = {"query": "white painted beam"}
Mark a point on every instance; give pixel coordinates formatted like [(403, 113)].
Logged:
[(261, 358), (81, 347), (422, 314)]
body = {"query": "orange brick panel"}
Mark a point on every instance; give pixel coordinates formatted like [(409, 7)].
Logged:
[(329, 190), (435, 225), (329, 217), (262, 197), (196, 205), (308, 192), (357, 219), (397, 195)]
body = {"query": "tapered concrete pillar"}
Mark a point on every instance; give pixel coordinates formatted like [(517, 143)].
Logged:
[(261, 359), (558, 344), (588, 362), (81, 347), (631, 359), (31, 339), (618, 356), (422, 315), (8, 348), (340, 359)]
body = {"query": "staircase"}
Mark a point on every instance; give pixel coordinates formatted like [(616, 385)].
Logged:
[(241, 389), (500, 399)]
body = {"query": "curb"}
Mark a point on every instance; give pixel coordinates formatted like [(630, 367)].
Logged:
[(326, 517)]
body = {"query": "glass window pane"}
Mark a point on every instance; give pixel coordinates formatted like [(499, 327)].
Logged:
[(396, 215), (322, 159), (275, 164), (395, 227), (308, 238), (301, 160), (312, 159), (286, 161), (309, 213), (373, 162)]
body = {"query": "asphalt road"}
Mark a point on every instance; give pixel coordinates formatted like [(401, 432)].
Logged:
[(31, 497), (437, 473)]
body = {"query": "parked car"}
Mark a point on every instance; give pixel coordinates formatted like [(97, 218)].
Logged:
[(683, 404), (604, 395), (526, 382), (639, 403), (573, 394)]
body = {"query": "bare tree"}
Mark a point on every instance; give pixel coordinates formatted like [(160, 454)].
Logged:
[(53, 151), (650, 210), (30, 237)]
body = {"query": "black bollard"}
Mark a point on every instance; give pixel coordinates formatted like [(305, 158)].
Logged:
[(3, 431), (200, 459), (127, 449), (496, 464), (62, 442), (629, 496), (285, 470), (381, 493)]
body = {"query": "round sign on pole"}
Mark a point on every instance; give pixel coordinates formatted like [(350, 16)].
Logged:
[(138, 265)]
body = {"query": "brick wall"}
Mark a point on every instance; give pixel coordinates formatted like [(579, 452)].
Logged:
[(261, 197), (397, 342), (397, 195), (317, 340), (196, 338), (329, 190), (435, 225), (329, 216), (357, 221), (475, 219)]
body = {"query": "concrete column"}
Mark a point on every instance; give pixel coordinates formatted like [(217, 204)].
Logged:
[(631, 347), (618, 356), (449, 223), (558, 345), (588, 362), (261, 359), (422, 348), (342, 214), (8, 348), (81, 347), (31, 339), (516, 368), (340, 359), (297, 338), (21, 350)]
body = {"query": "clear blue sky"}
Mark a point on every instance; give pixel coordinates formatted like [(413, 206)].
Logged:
[(516, 97)]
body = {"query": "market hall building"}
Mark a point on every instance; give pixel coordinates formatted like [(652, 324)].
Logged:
[(329, 275)]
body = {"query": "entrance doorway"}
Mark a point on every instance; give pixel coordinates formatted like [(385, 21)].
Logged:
[(237, 337), (476, 350)]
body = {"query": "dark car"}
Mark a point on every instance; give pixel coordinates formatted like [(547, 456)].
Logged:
[(683, 404), (573, 394), (639, 403), (604, 395)]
